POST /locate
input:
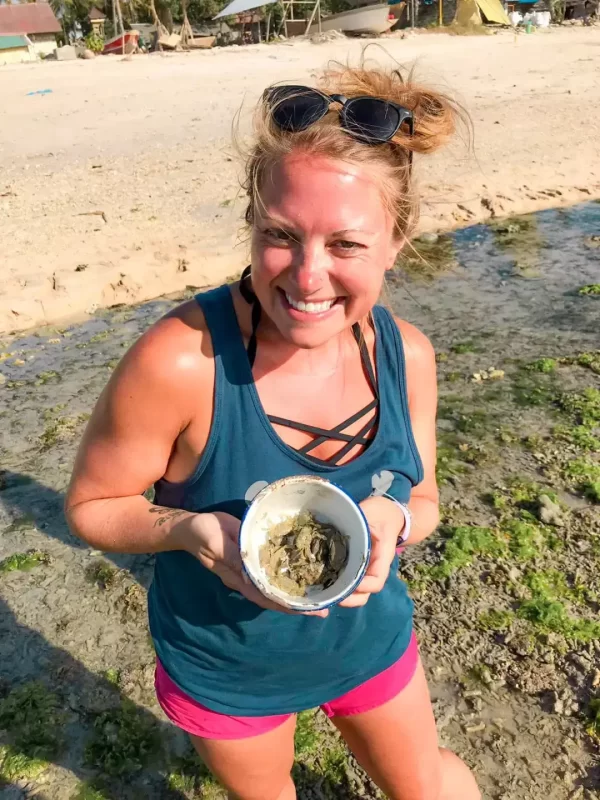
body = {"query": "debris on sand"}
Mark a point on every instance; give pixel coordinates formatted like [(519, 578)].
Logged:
[(326, 36), (550, 513), (491, 374), (301, 552)]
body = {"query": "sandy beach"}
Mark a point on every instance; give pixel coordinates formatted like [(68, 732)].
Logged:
[(122, 183)]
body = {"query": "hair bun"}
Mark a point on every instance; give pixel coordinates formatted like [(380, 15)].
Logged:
[(435, 114)]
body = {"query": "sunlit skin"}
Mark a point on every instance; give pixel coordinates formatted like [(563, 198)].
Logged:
[(322, 233)]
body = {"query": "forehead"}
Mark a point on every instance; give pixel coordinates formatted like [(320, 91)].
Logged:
[(307, 190)]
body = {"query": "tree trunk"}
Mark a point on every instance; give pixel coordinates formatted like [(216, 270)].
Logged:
[(121, 26), (160, 28), (186, 29)]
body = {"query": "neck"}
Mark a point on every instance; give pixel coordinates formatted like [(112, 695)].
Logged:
[(276, 353)]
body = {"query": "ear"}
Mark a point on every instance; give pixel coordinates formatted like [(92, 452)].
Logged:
[(396, 248)]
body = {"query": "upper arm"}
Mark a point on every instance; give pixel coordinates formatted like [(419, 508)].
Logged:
[(140, 414), (421, 382)]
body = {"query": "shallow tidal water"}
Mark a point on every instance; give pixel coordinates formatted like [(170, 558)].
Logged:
[(524, 281)]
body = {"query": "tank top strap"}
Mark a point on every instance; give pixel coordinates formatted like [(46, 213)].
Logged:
[(393, 387), (227, 342)]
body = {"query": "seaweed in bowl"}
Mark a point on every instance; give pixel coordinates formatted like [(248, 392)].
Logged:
[(301, 552)]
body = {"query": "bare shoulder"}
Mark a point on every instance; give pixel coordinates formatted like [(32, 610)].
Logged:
[(160, 379), (176, 347), (418, 350)]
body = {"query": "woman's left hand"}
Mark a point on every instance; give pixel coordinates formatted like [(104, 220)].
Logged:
[(386, 521)]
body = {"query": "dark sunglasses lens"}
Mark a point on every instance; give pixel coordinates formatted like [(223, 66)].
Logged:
[(295, 108), (371, 120)]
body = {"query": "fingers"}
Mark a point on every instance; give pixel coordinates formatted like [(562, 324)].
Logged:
[(355, 600), (374, 580)]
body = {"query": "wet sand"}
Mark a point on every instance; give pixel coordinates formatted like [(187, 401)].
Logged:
[(122, 184)]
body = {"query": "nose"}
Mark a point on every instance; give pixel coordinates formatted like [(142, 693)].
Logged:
[(310, 267)]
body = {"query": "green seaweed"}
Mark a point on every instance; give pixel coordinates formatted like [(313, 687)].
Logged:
[(552, 616), (428, 259), (590, 289), (189, 774), (113, 676), (88, 791), (15, 765), (460, 348), (24, 562), (529, 394), (518, 496), (306, 737), (31, 714), (496, 620), (593, 727), (448, 464), (547, 611), (585, 477), (544, 365), (123, 742), (525, 539), (579, 435), (462, 544), (589, 360), (102, 574), (50, 376), (61, 429), (583, 407)]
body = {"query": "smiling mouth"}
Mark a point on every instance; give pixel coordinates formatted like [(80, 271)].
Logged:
[(310, 308)]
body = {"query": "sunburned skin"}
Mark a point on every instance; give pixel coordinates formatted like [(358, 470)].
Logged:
[(301, 552)]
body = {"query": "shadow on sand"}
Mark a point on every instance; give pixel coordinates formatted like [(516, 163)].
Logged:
[(82, 692)]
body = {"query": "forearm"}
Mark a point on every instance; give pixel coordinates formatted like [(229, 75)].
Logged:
[(127, 525), (425, 518)]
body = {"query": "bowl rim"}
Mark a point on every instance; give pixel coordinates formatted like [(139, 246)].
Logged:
[(316, 606)]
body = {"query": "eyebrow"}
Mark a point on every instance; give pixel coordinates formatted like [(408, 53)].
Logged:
[(289, 227)]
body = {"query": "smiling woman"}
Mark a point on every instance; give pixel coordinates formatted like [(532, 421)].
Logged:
[(294, 370)]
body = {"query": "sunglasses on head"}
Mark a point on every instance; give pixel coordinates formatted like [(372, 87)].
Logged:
[(368, 119)]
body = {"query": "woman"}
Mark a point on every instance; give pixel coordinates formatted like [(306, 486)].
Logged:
[(293, 370)]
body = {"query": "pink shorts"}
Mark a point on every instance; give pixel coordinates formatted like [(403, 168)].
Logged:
[(198, 720)]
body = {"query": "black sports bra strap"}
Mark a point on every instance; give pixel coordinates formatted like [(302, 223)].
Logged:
[(336, 457), (321, 434), (365, 357), (336, 433), (249, 296)]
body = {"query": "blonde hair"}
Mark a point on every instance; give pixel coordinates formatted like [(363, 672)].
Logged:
[(435, 120)]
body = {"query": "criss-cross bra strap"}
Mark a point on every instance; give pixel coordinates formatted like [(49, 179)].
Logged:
[(322, 434)]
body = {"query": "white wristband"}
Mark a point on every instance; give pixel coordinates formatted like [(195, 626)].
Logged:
[(405, 533)]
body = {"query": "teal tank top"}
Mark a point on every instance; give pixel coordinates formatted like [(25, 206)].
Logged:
[(224, 651)]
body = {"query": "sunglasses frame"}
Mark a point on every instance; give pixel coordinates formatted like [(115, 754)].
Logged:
[(404, 114)]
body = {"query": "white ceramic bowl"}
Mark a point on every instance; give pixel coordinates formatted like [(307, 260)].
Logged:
[(287, 498)]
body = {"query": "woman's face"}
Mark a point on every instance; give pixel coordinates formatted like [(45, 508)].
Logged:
[(321, 243)]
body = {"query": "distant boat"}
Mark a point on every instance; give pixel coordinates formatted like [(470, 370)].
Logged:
[(202, 42), (115, 45), (373, 19)]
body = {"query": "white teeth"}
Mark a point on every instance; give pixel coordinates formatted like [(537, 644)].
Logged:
[(309, 308)]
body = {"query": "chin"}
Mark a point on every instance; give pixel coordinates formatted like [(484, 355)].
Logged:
[(307, 338)]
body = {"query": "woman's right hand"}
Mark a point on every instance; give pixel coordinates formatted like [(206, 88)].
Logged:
[(213, 539)]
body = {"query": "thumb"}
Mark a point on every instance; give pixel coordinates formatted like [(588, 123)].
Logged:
[(231, 552)]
